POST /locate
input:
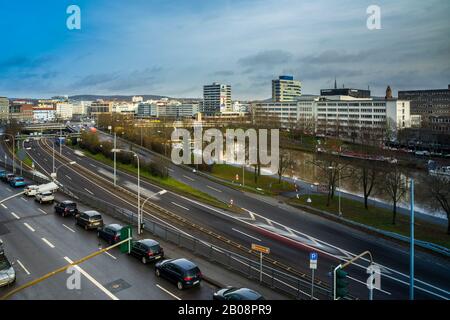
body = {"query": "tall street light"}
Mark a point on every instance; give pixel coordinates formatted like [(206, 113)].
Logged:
[(14, 151), (160, 193), (138, 183)]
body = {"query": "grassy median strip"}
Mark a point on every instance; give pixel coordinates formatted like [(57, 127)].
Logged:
[(267, 184), (168, 183), (378, 218)]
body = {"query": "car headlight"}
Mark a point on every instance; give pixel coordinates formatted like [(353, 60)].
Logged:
[(11, 273)]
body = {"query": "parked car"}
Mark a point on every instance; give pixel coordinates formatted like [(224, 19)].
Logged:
[(35, 189), (31, 190), (66, 207), (180, 271), (44, 197), (89, 220), (17, 182), (8, 177), (7, 273), (237, 294), (2, 174), (110, 233), (147, 250)]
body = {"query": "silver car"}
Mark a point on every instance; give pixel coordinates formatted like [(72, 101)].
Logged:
[(7, 273)]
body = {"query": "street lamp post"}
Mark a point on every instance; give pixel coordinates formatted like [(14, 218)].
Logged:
[(138, 183), (145, 201), (13, 153)]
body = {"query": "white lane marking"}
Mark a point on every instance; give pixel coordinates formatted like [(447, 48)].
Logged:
[(42, 211), (168, 292), (109, 254), (45, 159), (269, 222), (89, 191), (29, 227), (48, 243), (170, 170), (9, 189), (15, 215), (68, 177), (23, 267), (24, 199), (4, 206), (212, 188), (68, 228), (92, 165), (95, 282), (252, 216), (292, 232), (179, 205), (245, 234), (189, 178)]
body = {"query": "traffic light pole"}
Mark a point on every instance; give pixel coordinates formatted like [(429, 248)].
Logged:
[(334, 281)]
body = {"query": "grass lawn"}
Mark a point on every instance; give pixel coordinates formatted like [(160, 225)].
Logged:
[(268, 184), (27, 160), (168, 183), (379, 218)]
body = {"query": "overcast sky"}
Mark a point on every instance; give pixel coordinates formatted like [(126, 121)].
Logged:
[(175, 47)]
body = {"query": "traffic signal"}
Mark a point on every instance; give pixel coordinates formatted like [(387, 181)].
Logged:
[(125, 233), (341, 283)]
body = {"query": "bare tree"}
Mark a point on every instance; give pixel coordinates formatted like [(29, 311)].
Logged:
[(439, 192), (285, 162), (395, 187)]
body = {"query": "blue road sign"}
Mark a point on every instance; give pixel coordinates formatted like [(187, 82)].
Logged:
[(313, 256)]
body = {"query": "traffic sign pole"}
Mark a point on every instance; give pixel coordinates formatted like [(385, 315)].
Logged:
[(312, 285), (313, 266), (260, 266)]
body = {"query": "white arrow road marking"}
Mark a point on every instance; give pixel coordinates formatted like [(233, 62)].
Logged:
[(91, 279)]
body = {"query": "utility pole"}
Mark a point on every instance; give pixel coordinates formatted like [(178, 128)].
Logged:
[(411, 255), (115, 147)]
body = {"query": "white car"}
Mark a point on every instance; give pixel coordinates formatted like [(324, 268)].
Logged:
[(45, 197), (31, 190)]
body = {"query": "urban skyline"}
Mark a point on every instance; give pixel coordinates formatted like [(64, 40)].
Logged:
[(169, 52)]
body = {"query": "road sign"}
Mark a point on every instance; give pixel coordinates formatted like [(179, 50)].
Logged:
[(125, 232), (261, 249), (313, 260)]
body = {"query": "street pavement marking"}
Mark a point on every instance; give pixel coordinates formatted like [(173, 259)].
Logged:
[(212, 188), (168, 292), (4, 206), (42, 211), (179, 205), (68, 177), (170, 170), (23, 267), (89, 191), (95, 282), (29, 227), (109, 254), (245, 234), (9, 189), (189, 178), (48, 242), (24, 199), (92, 165), (15, 215), (68, 228)]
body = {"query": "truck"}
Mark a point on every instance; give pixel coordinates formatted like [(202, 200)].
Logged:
[(35, 189)]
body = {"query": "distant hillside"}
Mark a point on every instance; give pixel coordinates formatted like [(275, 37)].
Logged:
[(91, 97)]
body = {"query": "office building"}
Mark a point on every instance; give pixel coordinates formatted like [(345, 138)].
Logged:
[(4, 108), (146, 109), (432, 105), (285, 89), (216, 98), (99, 107)]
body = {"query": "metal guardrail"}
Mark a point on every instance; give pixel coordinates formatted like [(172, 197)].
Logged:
[(295, 287)]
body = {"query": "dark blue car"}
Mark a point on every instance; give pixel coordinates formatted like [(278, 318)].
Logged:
[(180, 271), (110, 233)]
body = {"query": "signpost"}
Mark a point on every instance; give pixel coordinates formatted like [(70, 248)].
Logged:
[(125, 233), (313, 266), (261, 250)]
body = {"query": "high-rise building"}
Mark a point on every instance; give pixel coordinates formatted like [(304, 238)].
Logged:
[(285, 89), (4, 108), (216, 98)]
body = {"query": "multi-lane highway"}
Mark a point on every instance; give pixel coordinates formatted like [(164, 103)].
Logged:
[(290, 233)]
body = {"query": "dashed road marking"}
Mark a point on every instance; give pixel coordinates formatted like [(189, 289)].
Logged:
[(212, 188), (89, 191), (15, 215), (24, 199), (179, 205), (245, 234), (109, 254), (4, 206), (23, 267), (168, 292), (29, 227), (42, 211), (48, 243), (189, 178), (70, 229), (68, 177)]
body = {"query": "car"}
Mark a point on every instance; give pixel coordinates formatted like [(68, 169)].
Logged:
[(146, 250), (7, 273), (17, 182), (237, 294), (44, 197), (180, 271), (2, 174), (110, 233), (31, 190), (8, 177), (66, 207), (89, 220)]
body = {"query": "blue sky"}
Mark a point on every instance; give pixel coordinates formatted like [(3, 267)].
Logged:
[(175, 47)]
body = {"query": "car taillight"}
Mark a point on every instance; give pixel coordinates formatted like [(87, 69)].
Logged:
[(199, 275), (187, 278), (65, 210), (150, 253), (116, 238)]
